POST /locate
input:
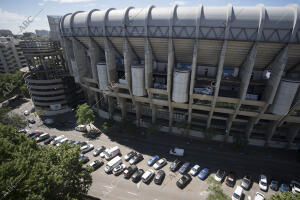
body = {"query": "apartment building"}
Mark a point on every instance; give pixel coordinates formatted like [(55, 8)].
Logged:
[(11, 56), (235, 70)]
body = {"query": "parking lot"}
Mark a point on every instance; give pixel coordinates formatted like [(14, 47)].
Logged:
[(111, 187)]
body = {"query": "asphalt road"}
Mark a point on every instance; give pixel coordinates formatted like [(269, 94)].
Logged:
[(110, 187)]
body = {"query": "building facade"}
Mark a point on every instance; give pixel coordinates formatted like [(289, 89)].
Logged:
[(50, 85), (233, 70), (11, 56), (54, 33)]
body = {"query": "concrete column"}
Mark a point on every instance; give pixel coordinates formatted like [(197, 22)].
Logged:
[(148, 65), (96, 55), (249, 127), (271, 131), (218, 81), (68, 52), (111, 107), (80, 58), (277, 66), (138, 109), (245, 76), (122, 102), (293, 132), (110, 62), (169, 80), (192, 82), (154, 113), (127, 52)]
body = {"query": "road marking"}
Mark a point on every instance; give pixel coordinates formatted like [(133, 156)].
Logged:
[(106, 186), (249, 198), (138, 185), (132, 193)]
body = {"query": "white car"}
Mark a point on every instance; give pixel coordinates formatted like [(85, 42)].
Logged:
[(195, 170), (220, 175), (148, 175), (238, 192), (102, 154), (81, 128), (160, 163), (259, 196), (119, 169), (26, 112), (263, 182), (177, 151), (295, 185)]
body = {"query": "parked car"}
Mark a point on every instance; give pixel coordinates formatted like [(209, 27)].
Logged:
[(184, 167), (47, 141), (31, 120), (147, 176), (98, 151), (139, 157), (259, 196), (57, 139), (81, 144), (32, 133), (81, 128), (83, 159), (42, 137), (87, 148), (159, 178), (26, 112), (263, 182), (152, 160), (175, 165), (160, 164), (74, 143), (129, 171), (111, 152), (274, 185), (231, 179), (177, 151), (184, 181), (96, 164), (136, 176), (130, 155), (64, 140), (195, 170), (246, 182), (203, 173), (295, 185), (119, 169), (237, 194), (284, 187), (22, 131), (36, 135), (220, 175)]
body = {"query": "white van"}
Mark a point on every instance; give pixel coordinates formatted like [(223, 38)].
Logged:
[(42, 137), (111, 153), (62, 141), (177, 151), (57, 139), (112, 164)]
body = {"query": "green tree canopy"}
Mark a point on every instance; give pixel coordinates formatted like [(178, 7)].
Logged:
[(85, 114), (31, 171), (285, 196), (12, 119)]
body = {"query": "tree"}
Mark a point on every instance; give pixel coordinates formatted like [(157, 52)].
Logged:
[(12, 119), (85, 114), (30, 171), (285, 196), (239, 141), (210, 133)]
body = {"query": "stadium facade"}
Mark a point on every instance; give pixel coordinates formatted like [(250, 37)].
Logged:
[(234, 71)]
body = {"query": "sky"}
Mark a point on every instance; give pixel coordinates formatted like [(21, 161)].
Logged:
[(15, 13)]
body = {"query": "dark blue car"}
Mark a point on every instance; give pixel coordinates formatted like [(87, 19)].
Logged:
[(284, 187), (184, 167), (203, 173), (152, 160)]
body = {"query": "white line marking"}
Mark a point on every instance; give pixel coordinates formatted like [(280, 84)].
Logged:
[(106, 186), (132, 193), (138, 185)]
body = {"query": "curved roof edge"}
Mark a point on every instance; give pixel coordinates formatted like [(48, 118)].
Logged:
[(258, 23)]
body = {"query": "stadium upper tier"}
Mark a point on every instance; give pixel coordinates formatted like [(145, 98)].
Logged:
[(259, 23)]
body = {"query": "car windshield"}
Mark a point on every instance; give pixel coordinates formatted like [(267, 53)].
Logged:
[(219, 173), (246, 181), (263, 183), (160, 162), (236, 196), (230, 179)]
